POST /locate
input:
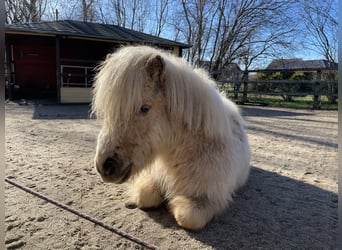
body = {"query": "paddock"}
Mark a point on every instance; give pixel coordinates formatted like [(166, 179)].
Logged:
[(289, 201)]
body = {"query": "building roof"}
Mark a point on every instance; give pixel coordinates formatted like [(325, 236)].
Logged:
[(89, 30), (300, 64)]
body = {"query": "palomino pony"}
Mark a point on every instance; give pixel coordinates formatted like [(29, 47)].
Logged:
[(167, 130)]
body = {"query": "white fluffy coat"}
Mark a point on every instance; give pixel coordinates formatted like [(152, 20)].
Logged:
[(189, 150)]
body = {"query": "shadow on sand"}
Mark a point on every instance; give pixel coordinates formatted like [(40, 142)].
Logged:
[(52, 110), (269, 112), (270, 212), (61, 111)]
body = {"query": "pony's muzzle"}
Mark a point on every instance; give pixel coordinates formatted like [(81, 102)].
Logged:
[(114, 170), (110, 166)]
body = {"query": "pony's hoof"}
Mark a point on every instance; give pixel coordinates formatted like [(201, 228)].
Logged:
[(130, 205)]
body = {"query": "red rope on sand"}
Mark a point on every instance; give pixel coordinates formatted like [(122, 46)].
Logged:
[(84, 216)]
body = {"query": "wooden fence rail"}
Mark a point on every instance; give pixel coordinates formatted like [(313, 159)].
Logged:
[(242, 89)]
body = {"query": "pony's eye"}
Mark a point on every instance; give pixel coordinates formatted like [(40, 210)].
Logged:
[(144, 108)]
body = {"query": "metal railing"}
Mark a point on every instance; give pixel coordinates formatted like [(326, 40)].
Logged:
[(76, 76)]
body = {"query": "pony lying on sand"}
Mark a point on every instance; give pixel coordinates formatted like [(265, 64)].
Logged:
[(167, 130)]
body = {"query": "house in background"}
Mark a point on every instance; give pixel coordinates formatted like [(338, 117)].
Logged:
[(57, 59), (328, 69)]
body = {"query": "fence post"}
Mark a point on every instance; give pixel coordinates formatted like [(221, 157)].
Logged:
[(316, 90), (245, 86), (58, 68)]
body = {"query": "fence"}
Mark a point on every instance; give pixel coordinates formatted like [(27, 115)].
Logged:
[(254, 84)]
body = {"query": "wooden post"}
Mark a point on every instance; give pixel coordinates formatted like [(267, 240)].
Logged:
[(317, 90), (9, 62), (58, 69), (245, 86)]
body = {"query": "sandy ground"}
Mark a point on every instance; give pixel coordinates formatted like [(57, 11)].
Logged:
[(289, 202)]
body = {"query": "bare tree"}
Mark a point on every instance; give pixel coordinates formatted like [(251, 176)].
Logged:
[(189, 31), (161, 12), (139, 15), (192, 21), (224, 31), (128, 14), (63, 9), (248, 29), (120, 10), (320, 20), (20, 11), (87, 10)]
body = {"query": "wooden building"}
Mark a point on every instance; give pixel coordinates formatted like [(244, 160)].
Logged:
[(324, 69), (57, 59)]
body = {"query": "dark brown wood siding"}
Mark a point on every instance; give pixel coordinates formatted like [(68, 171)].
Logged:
[(84, 51), (34, 60)]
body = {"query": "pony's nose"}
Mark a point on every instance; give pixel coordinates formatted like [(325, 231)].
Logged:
[(110, 166)]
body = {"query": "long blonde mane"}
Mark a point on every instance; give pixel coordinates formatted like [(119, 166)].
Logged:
[(191, 96)]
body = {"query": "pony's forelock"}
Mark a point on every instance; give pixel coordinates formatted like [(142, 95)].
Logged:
[(118, 87)]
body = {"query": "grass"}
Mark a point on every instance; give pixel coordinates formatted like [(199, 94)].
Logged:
[(298, 102)]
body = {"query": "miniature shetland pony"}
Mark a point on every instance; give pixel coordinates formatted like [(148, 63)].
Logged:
[(167, 130)]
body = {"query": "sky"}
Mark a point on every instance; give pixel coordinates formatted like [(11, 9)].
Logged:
[(306, 54)]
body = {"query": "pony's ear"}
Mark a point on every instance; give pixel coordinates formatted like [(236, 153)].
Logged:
[(155, 67)]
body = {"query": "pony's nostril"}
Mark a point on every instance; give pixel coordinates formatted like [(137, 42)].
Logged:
[(109, 166)]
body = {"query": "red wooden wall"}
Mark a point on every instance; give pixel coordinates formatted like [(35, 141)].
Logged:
[(35, 64)]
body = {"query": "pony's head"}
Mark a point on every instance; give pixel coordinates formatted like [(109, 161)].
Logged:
[(146, 99)]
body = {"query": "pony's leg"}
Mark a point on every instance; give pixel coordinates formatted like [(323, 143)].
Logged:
[(192, 213), (144, 193)]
